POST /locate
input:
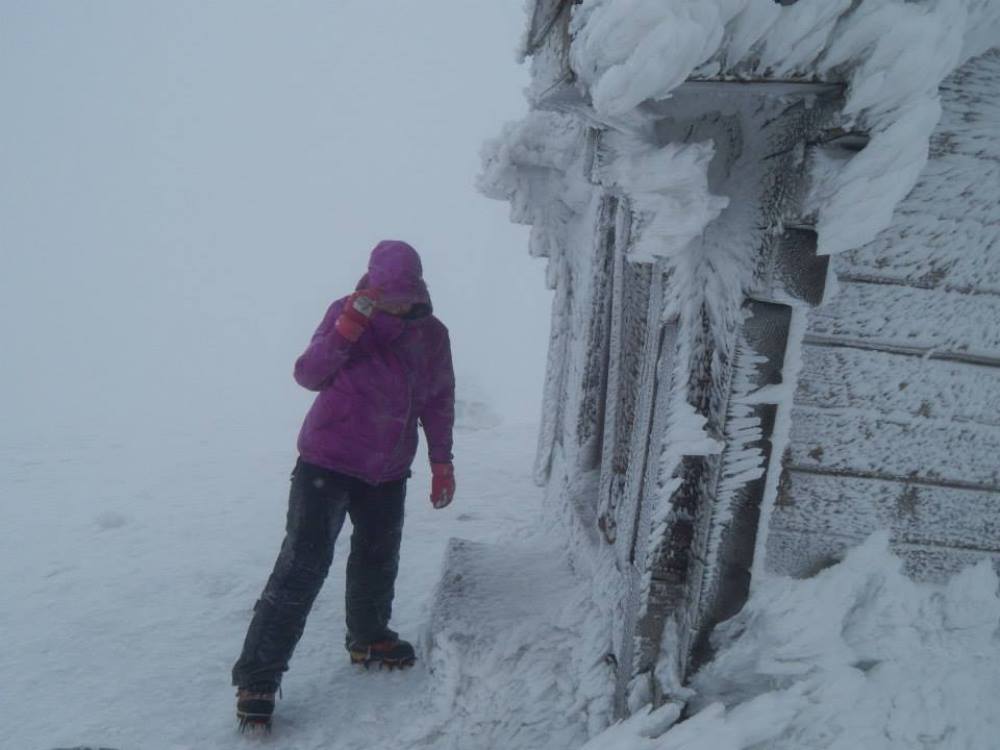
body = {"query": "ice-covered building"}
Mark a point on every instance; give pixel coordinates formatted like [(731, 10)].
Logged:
[(773, 235)]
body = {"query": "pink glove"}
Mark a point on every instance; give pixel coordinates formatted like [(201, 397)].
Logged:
[(357, 314), (442, 484)]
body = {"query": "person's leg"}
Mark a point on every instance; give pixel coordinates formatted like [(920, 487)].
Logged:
[(317, 505), (377, 517)]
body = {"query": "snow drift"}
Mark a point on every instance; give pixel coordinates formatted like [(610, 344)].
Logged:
[(859, 656)]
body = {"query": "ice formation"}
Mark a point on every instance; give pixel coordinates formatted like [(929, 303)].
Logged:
[(688, 169), (894, 55)]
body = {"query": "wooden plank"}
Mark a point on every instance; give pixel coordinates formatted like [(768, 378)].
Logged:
[(554, 388), (764, 334), (657, 336), (803, 554), (794, 270), (757, 87), (664, 387), (893, 384), (922, 319), (930, 450), (544, 18), (915, 514), (731, 560), (627, 357), (712, 537), (593, 385)]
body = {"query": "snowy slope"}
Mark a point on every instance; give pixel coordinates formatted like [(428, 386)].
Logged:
[(127, 599), (184, 189)]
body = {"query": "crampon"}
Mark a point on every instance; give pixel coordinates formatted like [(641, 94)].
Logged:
[(254, 708), (388, 654)]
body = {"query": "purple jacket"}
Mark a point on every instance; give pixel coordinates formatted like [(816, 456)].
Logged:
[(372, 392)]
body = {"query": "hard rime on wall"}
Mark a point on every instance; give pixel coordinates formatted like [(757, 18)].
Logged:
[(723, 399), (895, 419)]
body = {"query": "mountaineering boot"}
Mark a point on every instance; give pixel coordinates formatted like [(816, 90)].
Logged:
[(392, 653), (254, 706)]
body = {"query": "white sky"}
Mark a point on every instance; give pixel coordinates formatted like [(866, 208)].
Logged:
[(184, 186)]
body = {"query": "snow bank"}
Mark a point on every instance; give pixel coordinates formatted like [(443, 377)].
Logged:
[(892, 53), (859, 656)]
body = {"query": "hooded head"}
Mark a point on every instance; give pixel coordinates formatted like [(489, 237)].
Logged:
[(394, 269)]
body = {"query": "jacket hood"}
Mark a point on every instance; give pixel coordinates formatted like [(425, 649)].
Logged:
[(395, 270)]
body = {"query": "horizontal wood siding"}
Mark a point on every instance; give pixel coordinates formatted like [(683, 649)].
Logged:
[(803, 554), (931, 450), (896, 419), (888, 384), (915, 514), (892, 316)]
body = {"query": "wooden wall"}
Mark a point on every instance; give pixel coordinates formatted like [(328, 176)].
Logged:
[(896, 421)]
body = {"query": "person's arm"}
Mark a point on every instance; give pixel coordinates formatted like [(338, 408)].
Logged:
[(330, 346), (438, 419)]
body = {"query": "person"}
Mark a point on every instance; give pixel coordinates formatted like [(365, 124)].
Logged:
[(380, 361)]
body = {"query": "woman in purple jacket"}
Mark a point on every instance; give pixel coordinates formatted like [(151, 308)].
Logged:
[(380, 361)]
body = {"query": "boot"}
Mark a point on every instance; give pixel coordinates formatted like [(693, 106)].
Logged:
[(390, 652), (254, 706)]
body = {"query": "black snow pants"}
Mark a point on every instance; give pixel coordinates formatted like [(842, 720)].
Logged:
[(317, 505)]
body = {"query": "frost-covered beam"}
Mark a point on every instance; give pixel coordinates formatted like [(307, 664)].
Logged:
[(547, 16)]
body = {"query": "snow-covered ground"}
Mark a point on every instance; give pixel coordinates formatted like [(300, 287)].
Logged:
[(183, 190), (141, 516), (129, 576)]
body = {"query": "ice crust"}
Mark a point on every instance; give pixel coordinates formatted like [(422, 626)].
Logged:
[(860, 656)]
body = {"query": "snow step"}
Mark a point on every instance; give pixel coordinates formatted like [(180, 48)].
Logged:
[(487, 589), (512, 635)]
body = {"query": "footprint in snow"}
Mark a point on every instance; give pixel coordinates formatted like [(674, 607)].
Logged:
[(111, 519)]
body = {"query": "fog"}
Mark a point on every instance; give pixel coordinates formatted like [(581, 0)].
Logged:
[(185, 186)]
